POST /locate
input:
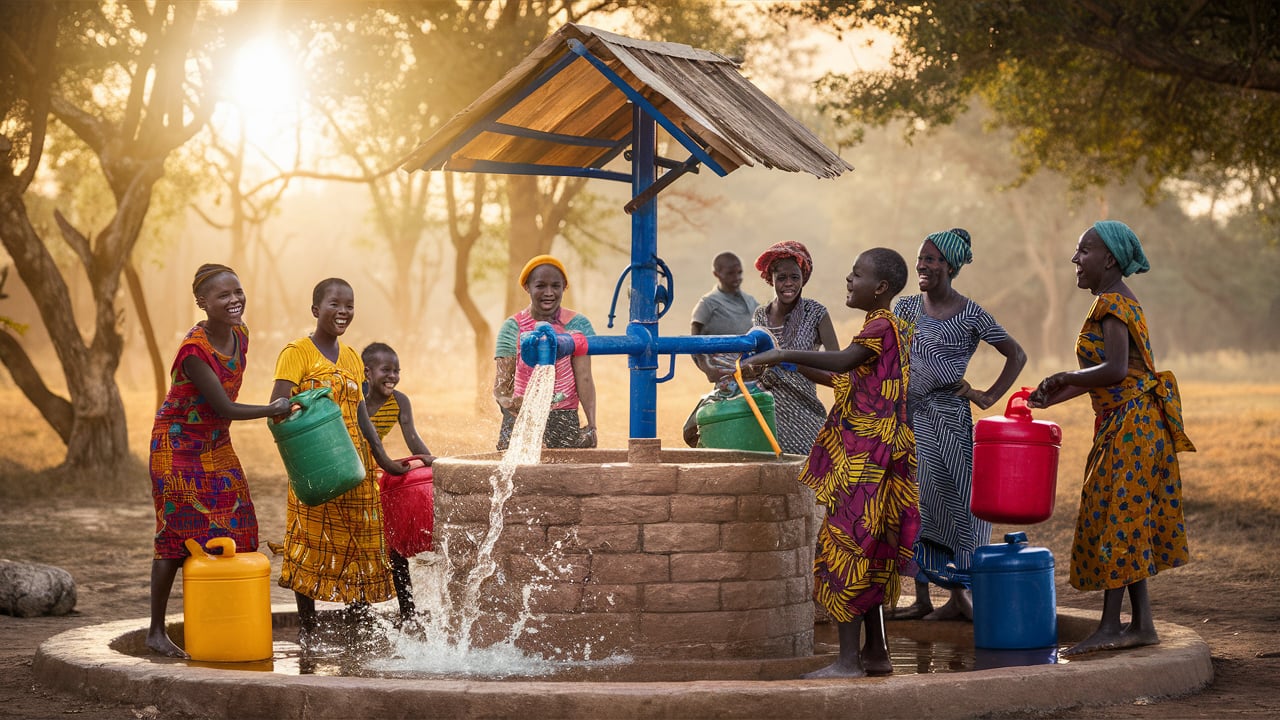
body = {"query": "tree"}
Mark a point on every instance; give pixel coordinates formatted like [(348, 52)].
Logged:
[(1097, 89), (117, 76)]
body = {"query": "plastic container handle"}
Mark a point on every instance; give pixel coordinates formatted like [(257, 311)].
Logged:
[(1017, 407), (227, 544), (755, 410)]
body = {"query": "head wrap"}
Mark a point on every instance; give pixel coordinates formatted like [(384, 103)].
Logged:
[(1124, 246), (786, 249), (955, 246), (205, 272), (530, 266)]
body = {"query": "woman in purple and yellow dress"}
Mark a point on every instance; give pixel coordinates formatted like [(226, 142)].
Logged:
[(335, 551), (197, 482), (862, 469), (1130, 524)]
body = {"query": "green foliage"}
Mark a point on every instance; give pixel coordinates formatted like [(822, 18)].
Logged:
[(1152, 89)]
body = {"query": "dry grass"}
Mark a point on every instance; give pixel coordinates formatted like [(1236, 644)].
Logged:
[(1231, 485)]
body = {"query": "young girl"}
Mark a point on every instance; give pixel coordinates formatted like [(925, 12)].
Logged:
[(335, 551), (1130, 525), (197, 483), (387, 407), (863, 468), (799, 324)]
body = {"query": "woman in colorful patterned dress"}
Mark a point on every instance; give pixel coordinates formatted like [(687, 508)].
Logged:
[(197, 482), (545, 279), (862, 469), (947, 328), (797, 323), (388, 407), (335, 551), (1130, 525)]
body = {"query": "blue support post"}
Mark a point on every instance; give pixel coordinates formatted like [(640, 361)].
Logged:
[(644, 275)]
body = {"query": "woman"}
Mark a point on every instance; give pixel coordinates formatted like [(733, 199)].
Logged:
[(197, 483), (796, 323), (947, 329), (1130, 524), (545, 279)]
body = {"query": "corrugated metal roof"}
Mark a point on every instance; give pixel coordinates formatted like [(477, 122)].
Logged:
[(700, 91)]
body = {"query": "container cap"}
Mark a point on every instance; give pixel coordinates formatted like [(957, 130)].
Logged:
[(1017, 425), (1014, 555)]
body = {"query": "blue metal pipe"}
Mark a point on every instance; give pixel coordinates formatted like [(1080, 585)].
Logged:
[(543, 345)]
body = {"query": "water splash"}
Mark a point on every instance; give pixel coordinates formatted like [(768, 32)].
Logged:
[(442, 644)]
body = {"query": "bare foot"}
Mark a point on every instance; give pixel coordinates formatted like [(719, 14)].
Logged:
[(914, 611), (877, 665), (953, 610), (161, 644), (1105, 640), (836, 670)]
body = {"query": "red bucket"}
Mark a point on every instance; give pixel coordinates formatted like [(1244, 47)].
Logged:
[(1015, 465), (408, 509)]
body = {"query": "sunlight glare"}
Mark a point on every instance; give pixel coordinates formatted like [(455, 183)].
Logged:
[(263, 81)]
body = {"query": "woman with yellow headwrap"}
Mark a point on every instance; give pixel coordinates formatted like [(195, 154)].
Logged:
[(1130, 524), (545, 280)]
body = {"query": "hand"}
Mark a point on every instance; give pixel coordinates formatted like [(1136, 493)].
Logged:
[(761, 360), (425, 460), (397, 467), (281, 406), (587, 437), (1039, 398), (962, 389)]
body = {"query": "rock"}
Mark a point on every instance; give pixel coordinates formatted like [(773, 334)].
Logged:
[(29, 589)]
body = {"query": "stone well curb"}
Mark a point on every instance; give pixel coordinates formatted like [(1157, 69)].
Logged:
[(82, 662)]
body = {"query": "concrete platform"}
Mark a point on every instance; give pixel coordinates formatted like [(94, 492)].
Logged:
[(83, 662)]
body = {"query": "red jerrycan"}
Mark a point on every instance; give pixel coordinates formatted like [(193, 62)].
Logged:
[(408, 509), (1015, 465)]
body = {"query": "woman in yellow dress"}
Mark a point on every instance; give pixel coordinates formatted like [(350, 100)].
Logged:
[(335, 551)]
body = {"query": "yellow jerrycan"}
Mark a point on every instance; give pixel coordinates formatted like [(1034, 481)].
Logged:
[(226, 603)]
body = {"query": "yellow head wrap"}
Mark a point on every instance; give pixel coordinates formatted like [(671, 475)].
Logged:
[(542, 260)]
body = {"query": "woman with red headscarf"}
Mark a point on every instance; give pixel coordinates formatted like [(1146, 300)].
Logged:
[(796, 323)]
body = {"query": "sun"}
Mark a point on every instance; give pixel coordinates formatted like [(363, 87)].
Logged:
[(263, 79)]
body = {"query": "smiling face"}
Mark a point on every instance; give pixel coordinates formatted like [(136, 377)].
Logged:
[(546, 289), (932, 269), (336, 310), (382, 370), (788, 281), (222, 299), (1095, 265), (862, 284)]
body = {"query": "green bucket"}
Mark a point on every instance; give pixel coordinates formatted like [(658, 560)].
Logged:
[(730, 424), (316, 448)]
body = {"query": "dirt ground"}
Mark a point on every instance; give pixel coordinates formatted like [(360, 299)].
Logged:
[(1229, 594)]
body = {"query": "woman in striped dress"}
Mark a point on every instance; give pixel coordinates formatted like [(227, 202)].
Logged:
[(797, 323), (947, 329)]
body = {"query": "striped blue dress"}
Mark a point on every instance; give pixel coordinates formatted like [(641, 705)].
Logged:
[(943, 426)]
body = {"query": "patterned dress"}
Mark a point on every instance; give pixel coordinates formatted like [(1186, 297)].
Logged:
[(1130, 525), (796, 406), (562, 422), (943, 425), (863, 470), (196, 479), (335, 551)]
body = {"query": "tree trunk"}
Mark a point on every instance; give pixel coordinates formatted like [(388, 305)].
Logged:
[(148, 331), (464, 241), (524, 237)]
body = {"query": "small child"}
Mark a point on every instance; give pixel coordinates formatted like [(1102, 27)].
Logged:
[(386, 407), (197, 482), (863, 469)]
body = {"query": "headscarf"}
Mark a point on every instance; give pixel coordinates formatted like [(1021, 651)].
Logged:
[(533, 264), (955, 246), (1124, 246), (786, 249), (205, 272)]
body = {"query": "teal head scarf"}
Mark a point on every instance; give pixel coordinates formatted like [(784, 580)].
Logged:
[(954, 244), (1124, 246)]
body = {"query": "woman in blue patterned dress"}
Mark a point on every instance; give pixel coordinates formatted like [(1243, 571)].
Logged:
[(798, 324), (1130, 525), (947, 330)]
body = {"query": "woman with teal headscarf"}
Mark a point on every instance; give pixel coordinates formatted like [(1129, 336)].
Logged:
[(947, 328), (1130, 524)]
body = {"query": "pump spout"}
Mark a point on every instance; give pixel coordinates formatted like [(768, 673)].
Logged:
[(543, 345)]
